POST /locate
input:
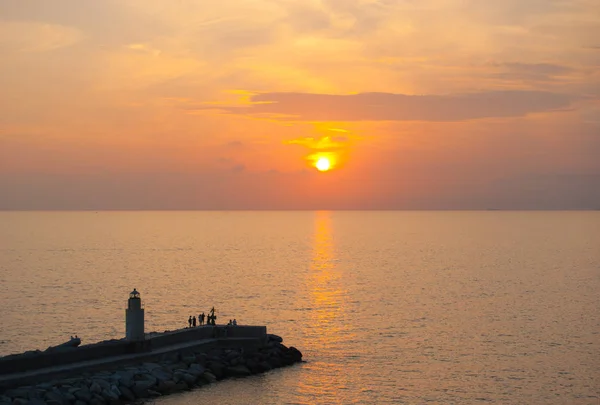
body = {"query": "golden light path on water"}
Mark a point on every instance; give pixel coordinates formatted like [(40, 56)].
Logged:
[(328, 323)]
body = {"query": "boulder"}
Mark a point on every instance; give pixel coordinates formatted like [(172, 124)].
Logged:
[(201, 359), (57, 397), (18, 393), (161, 375), (217, 368), (209, 377), (146, 377), (295, 353), (238, 371), (83, 394), (165, 387), (153, 394), (127, 394), (20, 401), (150, 366), (126, 378), (140, 388), (95, 388), (196, 370), (110, 395), (253, 366), (180, 386), (105, 385), (80, 402), (54, 402), (36, 401), (274, 338), (97, 400)]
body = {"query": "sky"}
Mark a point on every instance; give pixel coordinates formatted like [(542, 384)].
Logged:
[(197, 104)]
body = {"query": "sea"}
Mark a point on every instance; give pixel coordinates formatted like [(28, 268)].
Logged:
[(387, 307)]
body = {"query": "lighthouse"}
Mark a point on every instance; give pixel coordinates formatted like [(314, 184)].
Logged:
[(134, 317)]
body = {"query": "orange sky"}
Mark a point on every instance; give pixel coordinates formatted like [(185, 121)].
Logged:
[(189, 104)]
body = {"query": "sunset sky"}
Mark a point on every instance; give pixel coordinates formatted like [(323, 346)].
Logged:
[(196, 104)]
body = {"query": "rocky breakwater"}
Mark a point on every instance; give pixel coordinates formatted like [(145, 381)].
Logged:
[(171, 373)]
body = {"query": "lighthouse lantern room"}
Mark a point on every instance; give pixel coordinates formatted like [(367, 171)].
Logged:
[(134, 317)]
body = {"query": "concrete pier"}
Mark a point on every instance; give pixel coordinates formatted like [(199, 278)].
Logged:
[(43, 366)]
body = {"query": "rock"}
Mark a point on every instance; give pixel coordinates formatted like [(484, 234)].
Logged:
[(18, 393), (201, 359), (110, 395), (238, 371), (5, 399), (20, 401), (196, 370), (147, 377), (209, 377), (150, 366), (83, 394), (253, 366), (274, 338), (105, 385), (36, 401), (180, 386), (189, 379), (97, 400), (126, 393), (140, 388), (126, 378), (153, 393), (80, 402), (54, 402), (297, 353), (217, 369), (56, 396), (274, 362), (95, 388), (189, 359), (160, 375), (164, 387)]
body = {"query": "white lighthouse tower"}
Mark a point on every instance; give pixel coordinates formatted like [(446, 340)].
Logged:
[(134, 317)]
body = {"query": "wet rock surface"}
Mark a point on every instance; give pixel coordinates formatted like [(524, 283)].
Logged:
[(177, 372)]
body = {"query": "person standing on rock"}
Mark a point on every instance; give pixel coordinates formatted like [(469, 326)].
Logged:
[(201, 318), (190, 321), (194, 321)]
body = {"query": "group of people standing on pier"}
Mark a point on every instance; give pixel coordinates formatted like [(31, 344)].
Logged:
[(210, 319)]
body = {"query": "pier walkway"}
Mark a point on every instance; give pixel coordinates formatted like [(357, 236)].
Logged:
[(77, 368)]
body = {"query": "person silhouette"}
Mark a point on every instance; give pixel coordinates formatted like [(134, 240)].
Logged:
[(194, 321), (190, 321)]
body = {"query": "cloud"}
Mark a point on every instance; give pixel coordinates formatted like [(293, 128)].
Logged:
[(402, 107), (532, 71), (36, 37)]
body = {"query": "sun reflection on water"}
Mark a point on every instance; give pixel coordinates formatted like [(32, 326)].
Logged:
[(328, 323)]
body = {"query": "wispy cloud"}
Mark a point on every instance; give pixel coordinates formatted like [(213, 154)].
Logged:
[(36, 37), (401, 107)]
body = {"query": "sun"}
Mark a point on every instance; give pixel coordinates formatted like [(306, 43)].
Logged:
[(323, 164)]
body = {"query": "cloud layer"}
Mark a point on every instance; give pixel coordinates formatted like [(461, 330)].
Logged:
[(429, 103), (401, 107)]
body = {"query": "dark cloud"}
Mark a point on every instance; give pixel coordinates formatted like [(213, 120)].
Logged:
[(401, 107)]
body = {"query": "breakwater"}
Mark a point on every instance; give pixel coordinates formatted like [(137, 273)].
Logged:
[(166, 363)]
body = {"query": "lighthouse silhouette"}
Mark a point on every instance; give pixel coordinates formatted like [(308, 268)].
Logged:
[(134, 317)]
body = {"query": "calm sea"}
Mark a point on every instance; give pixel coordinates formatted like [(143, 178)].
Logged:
[(387, 307)]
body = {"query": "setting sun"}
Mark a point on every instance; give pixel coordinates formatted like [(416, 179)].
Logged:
[(323, 164)]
